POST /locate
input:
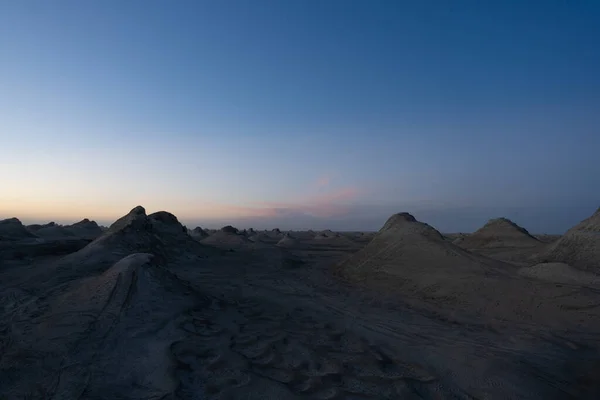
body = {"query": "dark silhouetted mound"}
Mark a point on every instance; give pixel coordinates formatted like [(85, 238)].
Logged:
[(327, 233), (499, 232), (53, 231), (227, 237), (36, 227), (85, 229), (13, 229), (288, 241), (579, 246), (199, 233), (229, 229), (167, 223)]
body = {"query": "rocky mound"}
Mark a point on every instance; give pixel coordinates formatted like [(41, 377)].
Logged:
[(85, 229), (413, 261), (198, 233), (53, 231), (160, 234), (13, 229), (288, 241), (226, 237), (33, 228), (499, 232), (579, 246), (229, 229), (412, 257)]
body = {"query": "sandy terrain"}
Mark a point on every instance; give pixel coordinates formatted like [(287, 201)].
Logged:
[(151, 310)]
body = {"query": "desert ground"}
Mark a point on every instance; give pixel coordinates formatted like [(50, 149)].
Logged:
[(150, 309)]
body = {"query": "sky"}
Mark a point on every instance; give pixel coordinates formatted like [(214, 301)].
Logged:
[(301, 114)]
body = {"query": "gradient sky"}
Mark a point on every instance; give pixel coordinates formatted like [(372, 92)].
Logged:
[(301, 114)]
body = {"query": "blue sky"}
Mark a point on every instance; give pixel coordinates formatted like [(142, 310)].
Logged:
[(301, 114)]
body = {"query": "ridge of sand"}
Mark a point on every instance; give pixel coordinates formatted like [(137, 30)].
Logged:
[(499, 232), (579, 246)]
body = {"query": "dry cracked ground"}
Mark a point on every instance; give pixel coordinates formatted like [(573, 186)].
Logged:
[(148, 309)]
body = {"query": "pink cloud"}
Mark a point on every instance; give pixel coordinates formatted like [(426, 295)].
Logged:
[(325, 205), (323, 181)]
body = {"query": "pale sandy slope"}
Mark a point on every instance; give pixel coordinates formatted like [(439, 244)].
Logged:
[(413, 261), (499, 232), (579, 246)]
